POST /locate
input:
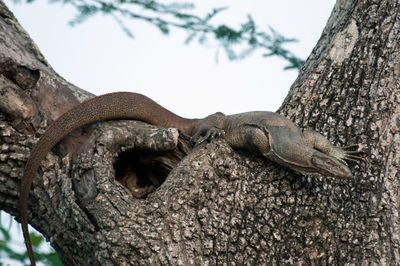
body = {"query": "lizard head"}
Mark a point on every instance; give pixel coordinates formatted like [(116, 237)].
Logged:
[(329, 166)]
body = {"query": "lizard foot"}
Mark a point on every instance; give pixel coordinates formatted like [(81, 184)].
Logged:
[(205, 133), (348, 154)]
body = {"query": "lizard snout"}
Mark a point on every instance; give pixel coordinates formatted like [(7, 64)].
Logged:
[(330, 166)]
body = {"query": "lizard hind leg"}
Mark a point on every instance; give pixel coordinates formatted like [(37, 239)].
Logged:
[(207, 133), (209, 128), (319, 142)]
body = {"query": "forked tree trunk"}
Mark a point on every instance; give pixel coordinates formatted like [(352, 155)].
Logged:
[(217, 205)]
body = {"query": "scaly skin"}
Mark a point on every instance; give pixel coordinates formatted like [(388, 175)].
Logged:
[(281, 141), (121, 105), (267, 133)]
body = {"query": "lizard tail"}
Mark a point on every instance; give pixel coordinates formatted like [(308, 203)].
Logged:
[(119, 105)]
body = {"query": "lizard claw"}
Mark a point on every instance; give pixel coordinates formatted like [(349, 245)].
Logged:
[(347, 154), (207, 133)]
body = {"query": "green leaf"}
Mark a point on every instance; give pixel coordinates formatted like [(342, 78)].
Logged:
[(237, 43), (53, 259), (163, 27), (5, 233), (224, 32), (36, 239)]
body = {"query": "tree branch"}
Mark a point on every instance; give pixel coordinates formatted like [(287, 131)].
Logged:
[(218, 205)]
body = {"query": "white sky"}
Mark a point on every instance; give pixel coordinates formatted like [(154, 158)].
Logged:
[(97, 56)]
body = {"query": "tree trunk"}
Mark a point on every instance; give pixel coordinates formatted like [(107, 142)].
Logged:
[(217, 205)]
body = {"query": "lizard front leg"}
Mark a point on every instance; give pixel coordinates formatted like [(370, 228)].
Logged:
[(248, 137), (319, 142)]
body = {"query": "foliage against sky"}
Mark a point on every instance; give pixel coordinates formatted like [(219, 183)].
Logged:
[(237, 43)]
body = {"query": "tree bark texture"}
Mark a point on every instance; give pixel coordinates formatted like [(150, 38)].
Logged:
[(217, 205)]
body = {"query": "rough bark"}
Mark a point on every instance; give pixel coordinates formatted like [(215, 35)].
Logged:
[(217, 205)]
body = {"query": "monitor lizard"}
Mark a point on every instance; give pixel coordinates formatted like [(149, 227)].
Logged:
[(267, 133)]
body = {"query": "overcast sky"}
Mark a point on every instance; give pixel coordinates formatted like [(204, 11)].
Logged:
[(97, 56)]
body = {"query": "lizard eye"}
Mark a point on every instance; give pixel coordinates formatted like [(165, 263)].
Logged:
[(329, 163)]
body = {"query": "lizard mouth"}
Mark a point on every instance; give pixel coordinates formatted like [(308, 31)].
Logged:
[(330, 166)]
